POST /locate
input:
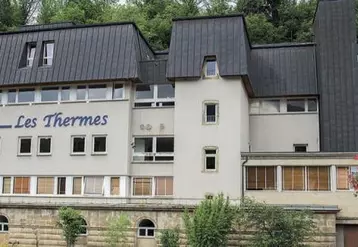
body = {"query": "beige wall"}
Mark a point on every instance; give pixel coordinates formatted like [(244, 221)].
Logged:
[(191, 136), (278, 133)]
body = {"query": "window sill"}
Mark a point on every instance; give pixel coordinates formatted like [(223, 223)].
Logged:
[(153, 162), (210, 124), (285, 113), (19, 104), (24, 155), (46, 103), (153, 107), (210, 171), (44, 154), (78, 154), (99, 154)]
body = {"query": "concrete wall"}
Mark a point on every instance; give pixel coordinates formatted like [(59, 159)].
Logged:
[(278, 133), (191, 136)]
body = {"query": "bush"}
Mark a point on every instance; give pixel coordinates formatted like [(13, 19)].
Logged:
[(116, 231), (71, 223), (170, 237)]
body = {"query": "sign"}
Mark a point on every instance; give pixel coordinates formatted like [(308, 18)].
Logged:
[(57, 120)]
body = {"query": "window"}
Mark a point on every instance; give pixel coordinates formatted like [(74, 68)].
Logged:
[(211, 111), (343, 174), (78, 144), (48, 49), (210, 159), (6, 185), (153, 149), (115, 186), (45, 185), (118, 91), (297, 105), (154, 95), (49, 94), (24, 146), (97, 91), (312, 105), (260, 178), (93, 185), (164, 186), (300, 148), (142, 186), (11, 96), (65, 93), (81, 93), (77, 186), (210, 68), (318, 178), (44, 147), (83, 230), (26, 95), (99, 145), (293, 178), (30, 55), (270, 106), (146, 228), (4, 224), (21, 185), (61, 186)]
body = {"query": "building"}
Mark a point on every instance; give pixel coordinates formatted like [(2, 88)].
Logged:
[(91, 116)]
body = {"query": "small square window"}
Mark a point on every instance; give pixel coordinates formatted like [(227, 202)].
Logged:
[(78, 144), (210, 159), (24, 146), (312, 105), (300, 148), (210, 68), (211, 113), (44, 147), (296, 105), (99, 144)]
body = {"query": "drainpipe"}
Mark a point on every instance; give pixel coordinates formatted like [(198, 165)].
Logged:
[(243, 177)]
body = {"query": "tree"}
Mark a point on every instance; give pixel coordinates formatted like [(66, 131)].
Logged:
[(210, 223), (115, 234), (170, 237), (275, 226), (71, 223)]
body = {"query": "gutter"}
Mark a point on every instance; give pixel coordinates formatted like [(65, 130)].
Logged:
[(243, 177)]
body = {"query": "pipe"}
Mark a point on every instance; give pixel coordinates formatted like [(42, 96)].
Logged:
[(243, 177)]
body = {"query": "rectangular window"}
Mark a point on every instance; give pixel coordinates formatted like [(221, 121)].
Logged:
[(24, 146), (144, 92), (211, 111), (166, 91), (300, 148), (93, 185), (77, 186), (115, 189), (44, 147), (65, 93), (154, 95), (78, 144), (118, 91), (11, 96), (312, 105), (99, 144), (21, 185), (6, 185), (270, 106), (30, 55), (45, 185), (164, 186), (343, 174), (49, 94), (293, 178), (81, 93), (142, 186), (318, 178), (26, 95), (61, 186), (153, 149), (210, 159), (97, 91), (210, 68), (297, 105), (261, 178), (48, 53)]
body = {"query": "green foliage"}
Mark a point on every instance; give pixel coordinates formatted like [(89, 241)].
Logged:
[(210, 223), (170, 237), (115, 234), (71, 223), (275, 226)]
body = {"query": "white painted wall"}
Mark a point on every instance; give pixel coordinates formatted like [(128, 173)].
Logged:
[(278, 132), (245, 120), (159, 120), (191, 136)]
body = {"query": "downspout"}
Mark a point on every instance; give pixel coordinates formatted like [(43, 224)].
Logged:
[(243, 177)]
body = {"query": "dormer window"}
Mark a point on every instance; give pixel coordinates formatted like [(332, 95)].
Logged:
[(48, 49), (210, 67), (30, 55)]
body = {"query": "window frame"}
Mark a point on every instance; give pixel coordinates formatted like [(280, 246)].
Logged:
[(3, 224), (13, 185), (152, 183), (156, 194), (84, 181), (256, 106), (154, 102), (29, 47), (205, 68), (266, 188), (146, 230), (350, 188), (216, 156), (81, 183), (45, 51), (45, 177), (205, 116), (58, 184), (39, 153), (299, 145), (72, 145), (20, 138), (93, 144), (154, 152), (111, 186)]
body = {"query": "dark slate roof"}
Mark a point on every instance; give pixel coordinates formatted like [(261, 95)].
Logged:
[(46, 26), (82, 53), (194, 38), (282, 70), (154, 71)]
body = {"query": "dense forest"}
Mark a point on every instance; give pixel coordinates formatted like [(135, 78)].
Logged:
[(268, 21)]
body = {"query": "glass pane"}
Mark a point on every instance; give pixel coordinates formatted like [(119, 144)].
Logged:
[(165, 144), (295, 105), (81, 93), (115, 186), (26, 95), (49, 94), (77, 186), (45, 145), (61, 186), (150, 232), (78, 145), (166, 91), (11, 96), (45, 185), (312, 104), (65, 93), (210, 163), (6, 189), (118, 91), (100, 144), (211, 68), (211, 113), (6, 228), (270, 106), (143, 145), (210, 151), (251, 178), (97, 92), (25, 146), (142, 232), (144, 91)]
